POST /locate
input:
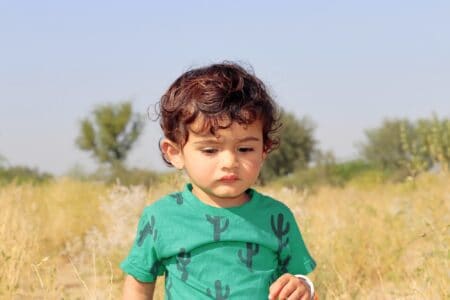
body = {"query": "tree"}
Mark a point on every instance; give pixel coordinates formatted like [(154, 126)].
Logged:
[(297, 145), (384, 144), (111, 133), (413, 147), (436, 134)]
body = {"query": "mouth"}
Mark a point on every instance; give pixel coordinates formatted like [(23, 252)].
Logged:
[(229, 178)]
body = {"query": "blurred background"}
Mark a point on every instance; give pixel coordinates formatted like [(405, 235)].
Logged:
[(365, 92), (346, 65)]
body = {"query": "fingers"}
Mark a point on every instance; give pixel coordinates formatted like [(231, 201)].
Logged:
[(289, 291), (288, 287), (293, 291), (298, 295), (277, 286)]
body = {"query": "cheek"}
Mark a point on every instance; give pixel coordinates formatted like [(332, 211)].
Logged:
[(200, 166), (252, 164)]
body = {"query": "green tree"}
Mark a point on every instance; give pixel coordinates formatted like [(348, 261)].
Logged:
[(434, 135), (438, 142), (110, 133), (297, 145), (416, 158), (383, 146), (409, 147)]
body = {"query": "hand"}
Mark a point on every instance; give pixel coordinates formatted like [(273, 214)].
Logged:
[(289, 287)]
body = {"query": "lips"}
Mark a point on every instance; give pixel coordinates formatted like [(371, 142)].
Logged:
[(229, 178)]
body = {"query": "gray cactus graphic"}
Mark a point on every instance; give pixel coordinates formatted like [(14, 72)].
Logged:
[(178, 197), (281, 268), (219, 295), (183, 259), (279, 231), (283, 263), (218, 229), (149, 229), (252, 250)]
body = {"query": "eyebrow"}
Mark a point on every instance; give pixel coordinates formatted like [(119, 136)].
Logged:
[(215, 141)]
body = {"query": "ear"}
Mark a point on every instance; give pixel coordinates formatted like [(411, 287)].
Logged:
[(172, 152)]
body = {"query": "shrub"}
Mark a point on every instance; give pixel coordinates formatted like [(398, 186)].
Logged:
[(125, 176), (21, 174)]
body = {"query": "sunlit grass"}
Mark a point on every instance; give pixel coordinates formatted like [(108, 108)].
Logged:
[(36, 222), (65, 239), (380, 242)]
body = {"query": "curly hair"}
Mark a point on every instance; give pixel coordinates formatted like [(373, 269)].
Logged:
[(220, 94)]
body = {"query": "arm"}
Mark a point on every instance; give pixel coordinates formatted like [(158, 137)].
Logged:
[(134, 289)]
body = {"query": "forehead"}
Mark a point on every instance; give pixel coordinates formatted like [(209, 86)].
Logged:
[(200, 128)]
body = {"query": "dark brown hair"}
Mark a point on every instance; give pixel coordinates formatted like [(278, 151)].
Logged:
[(220, 94)]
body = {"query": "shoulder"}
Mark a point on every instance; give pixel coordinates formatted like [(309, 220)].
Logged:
[(272, 204), (163, 204)]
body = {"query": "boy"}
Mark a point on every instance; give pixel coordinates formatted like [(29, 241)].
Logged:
[(218, 238)]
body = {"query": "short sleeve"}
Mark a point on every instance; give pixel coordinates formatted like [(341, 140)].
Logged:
[(142, 261), (301, 261)]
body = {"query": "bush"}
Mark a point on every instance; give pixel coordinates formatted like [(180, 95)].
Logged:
[(125, 176), (346, 171), (327, 173), (412, 147), (22, 174)]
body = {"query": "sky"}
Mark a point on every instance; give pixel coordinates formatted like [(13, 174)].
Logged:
[(346, 65)]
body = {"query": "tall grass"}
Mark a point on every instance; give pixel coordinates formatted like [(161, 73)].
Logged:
[(36, 222), (17, 237), (379, 242), (65, 239)]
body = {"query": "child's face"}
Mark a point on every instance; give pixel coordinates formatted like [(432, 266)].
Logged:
[(223, 166)]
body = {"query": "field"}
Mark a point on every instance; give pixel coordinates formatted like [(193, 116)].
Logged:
[(64, 239)]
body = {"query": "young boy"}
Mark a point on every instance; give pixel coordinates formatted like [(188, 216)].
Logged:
[(218, 238)]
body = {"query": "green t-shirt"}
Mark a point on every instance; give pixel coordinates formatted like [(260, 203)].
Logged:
[(208, 252)]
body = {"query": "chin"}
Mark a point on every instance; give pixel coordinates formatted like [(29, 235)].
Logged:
[(229, 192)]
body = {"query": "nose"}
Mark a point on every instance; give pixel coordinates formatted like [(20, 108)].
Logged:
[(229, 160)]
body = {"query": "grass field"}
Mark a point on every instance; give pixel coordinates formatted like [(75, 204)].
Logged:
[(65, 239)]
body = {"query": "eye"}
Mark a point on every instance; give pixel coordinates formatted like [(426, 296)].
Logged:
[(245, 149), (208, 150)]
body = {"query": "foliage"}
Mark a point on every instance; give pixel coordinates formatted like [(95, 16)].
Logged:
[(125, 176), (112, 132), (22, 174), (327, 172), (349, 170), (429, 146), (296, 148), (413, 147), (116, 174), (383, 147)]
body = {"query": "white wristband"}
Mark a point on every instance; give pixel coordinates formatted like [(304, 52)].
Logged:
[(308, 283)]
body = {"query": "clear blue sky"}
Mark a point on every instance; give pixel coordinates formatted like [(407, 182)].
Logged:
[(345, 64)]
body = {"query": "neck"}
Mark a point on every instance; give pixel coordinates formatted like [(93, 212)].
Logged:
[(222, 202)]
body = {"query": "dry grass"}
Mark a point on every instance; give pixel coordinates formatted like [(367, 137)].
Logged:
[(17, 238), (36, 222), (65, 239), (381, 242)]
